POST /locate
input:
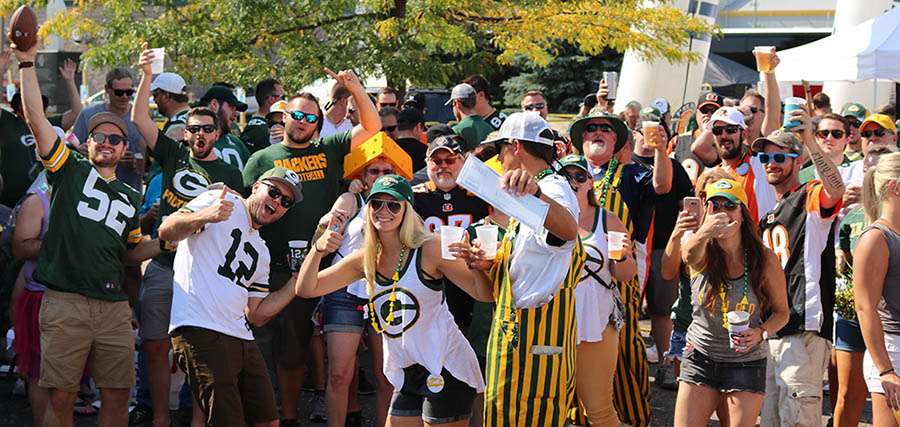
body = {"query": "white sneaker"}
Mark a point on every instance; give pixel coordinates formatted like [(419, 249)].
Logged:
[(652, 354)]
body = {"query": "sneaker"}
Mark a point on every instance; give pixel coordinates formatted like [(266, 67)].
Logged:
[(364, 386), (354, 419), (308, 385), (665, 376), (140, 416), (318, 411), (652, 355)]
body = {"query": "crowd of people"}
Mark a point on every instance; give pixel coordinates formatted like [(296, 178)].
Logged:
[(760, 242)]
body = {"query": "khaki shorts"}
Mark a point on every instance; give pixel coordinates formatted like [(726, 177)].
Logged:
[(228, 376), (75, 329), (794, 370)]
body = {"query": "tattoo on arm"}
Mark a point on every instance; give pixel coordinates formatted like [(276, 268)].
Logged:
[(827, 171)]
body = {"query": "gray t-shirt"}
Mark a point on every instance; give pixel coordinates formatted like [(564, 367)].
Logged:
[(125, 173), (708, 332), (889, 304)]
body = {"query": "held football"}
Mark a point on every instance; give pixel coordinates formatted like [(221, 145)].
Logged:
[(23, 28)]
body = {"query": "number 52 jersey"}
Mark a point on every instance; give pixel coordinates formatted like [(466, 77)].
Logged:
[(217, 270)]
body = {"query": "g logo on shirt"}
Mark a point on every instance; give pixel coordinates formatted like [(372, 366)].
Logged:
[(189, 183), (27, 140), (406, 311)]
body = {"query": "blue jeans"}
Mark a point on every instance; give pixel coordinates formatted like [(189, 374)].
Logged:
[(676, 344)]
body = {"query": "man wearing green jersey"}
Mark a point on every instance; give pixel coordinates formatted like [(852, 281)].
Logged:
[(170, 95), (221, 100), (493, 116), (93, 230), (256, 133), (318, 162), (186, 173)]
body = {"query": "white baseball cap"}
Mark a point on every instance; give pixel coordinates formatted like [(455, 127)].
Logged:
[(728, 115), (169, 82), (524, 126), (461, 91)]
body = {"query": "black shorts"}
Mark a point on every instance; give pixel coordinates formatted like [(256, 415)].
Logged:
[(660, 293), (726, 377), (453, 403)]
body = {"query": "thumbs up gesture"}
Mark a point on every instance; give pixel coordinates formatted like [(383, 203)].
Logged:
[(221, 209)]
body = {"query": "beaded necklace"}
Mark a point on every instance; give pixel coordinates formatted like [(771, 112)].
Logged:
[(605, 184), (395, 279), (543, 173), (743, 300)]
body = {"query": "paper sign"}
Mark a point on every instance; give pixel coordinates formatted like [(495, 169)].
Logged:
[(484, 182)]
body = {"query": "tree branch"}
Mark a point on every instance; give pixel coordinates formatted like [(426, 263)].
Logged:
[(316, 25)]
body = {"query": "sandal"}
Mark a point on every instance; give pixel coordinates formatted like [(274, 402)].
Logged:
[(83, 407)]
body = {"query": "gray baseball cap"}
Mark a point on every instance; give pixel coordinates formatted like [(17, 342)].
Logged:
[(461, 91)]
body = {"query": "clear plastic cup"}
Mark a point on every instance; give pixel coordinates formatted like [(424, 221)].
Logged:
[(764, 55), (450, 234), (738, 321), (487, 235), (159, 59), (651, 133), (616, 245)]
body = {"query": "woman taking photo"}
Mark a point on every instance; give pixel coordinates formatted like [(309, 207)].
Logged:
[(430, 363), (730, 270), (599, 310), (876, 272)]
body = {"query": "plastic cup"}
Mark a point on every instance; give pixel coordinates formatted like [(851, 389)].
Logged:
[(897, 416), (651, 131), (159, 58), (616, 245), (487, 235), (295, 253), (738, 321), (791, 104), (764, 56), (449, 234)]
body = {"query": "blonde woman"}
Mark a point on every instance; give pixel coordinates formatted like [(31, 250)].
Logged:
[(427, 359)]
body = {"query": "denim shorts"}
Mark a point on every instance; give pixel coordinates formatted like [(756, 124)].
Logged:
[(847, 335), (726, 377), (343, 312), (676, 344)]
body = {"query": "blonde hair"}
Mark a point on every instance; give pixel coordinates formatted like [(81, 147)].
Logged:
[(875, 184), (412, 233)]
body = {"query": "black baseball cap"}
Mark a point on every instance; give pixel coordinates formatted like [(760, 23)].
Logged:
[(410, 116), (414, 99), (446, 142), (222, 93)]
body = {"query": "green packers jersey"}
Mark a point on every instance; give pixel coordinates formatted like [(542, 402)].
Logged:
[(232, 150), (18, 159), (256, 134), (184, 178), (320, 167), (495, 118), (93, 221), (179, 118)]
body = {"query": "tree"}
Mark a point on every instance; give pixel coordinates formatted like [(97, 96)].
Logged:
[(424, 42)]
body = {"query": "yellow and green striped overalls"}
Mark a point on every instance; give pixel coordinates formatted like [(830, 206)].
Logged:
[(531, 352)]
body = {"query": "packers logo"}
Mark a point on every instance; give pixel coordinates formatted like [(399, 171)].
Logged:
[(648, 111), (292, 177), (853, 109), (27, 140), (388, 180), (594, 261), (723, 185), (189, 183), (571, 158), (405, 310)]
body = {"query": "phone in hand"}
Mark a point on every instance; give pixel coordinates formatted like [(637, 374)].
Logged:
[(693, 206)]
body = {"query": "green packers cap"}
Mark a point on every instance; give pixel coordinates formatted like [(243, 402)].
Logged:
[(618, 125), (727, 188), (574, 160), (223, 93), (780, 138), (286, 177), (393, 185), (651, 114), (857, 111)]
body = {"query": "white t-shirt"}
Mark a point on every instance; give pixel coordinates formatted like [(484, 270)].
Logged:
[(537, 269), (217, 270), (329, 128)]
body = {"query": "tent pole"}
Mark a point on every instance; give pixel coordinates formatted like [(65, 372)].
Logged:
[(875, 94)]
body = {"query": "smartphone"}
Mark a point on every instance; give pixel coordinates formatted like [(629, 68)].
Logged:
[(692, 205)]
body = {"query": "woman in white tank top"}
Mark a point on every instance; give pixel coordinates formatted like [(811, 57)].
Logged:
[(427, 359), (599, 310)]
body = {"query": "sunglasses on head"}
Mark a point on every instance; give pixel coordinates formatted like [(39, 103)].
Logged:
[(299, 115), (602, 127), (122, 92), (389, 128), (778, 158), (101, 138), (379, 172), (580, 177), (730, 129), (392, 205), (876, 132), (836, 133), (538, 106), (275, 194), (449, 161), (726, 204), (708, 109), (195, 129)]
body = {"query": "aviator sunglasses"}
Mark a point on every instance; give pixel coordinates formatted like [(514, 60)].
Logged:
[(727, 204), (392, 205)]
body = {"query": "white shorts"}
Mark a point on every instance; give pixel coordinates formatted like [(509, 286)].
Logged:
[(870, 372)]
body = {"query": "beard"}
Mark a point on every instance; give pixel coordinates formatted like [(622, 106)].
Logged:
[(104, 162), (732, 153), (200, 153), (302, 138), (224, 121)]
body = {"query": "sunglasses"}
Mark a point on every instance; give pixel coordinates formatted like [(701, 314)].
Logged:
[(854, 123), (299, 115), (778, 158), (730, 129), (449, 161), (379, 172), (101, 138), (351, 111), (602, 127), (386, 104), (727, 205), (754, 110), (195, 129), (277, 96), (123, 92), (708, 110), (876, 132), (538, 106), (836, 133), (392, 205), (389, 128), (579, 177), (275, 194)]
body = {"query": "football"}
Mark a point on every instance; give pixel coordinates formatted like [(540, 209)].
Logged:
[(23, 28)]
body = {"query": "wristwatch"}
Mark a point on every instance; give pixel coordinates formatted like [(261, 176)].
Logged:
[(765, 333)]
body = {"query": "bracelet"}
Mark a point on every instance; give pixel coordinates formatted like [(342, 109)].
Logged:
[(26, 64), (316, 246), (538, 192), (886, 372), (320, 229)]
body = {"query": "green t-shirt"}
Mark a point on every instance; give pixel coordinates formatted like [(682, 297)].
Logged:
[(256, 134), (320, 167), (495, 119), (232, 150), (179, 118), (851, 227), (482, 312), (93, 221), (18, 159), (808, 172), (184, 178), (473, 129), (682, 310)]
